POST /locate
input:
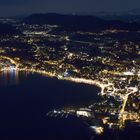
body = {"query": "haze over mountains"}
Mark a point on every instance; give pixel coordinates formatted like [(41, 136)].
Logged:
[(127, 16)]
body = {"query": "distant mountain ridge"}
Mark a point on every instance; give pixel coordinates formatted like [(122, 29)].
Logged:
[(76, 22), (123, 18), (127, 16)]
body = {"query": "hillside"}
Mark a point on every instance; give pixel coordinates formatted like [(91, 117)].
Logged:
[(6, 29), (75, 22)]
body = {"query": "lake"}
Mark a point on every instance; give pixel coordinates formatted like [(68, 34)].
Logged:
[(26, 98)]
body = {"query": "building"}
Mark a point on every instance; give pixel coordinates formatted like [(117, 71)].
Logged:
[(84, 112)]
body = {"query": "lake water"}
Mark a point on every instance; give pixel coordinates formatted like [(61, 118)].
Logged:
[(26, 98)]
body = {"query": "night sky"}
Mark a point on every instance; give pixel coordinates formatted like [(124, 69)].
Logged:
[(21, 7)]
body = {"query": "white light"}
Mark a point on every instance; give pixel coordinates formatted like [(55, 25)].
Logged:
[(98, 130)]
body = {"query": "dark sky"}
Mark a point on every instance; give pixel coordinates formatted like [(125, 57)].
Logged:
[(21, 7)]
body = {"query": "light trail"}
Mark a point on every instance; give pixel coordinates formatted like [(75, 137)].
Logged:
[(104, 84), (134, 63), (50, 74), (94, 82), (130, 90), (11, 60)]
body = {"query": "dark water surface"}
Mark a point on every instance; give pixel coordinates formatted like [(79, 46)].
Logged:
[(25, 100)]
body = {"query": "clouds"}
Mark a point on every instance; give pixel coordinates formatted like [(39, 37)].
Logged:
[(17, 7)]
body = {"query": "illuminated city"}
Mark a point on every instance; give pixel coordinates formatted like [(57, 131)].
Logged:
[(114, 66), (73, 75)]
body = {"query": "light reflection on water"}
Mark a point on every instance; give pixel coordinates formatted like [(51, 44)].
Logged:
[(38, 95), (10, 77), (24, 106)]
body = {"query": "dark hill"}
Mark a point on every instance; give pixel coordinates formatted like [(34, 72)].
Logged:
[(75, 22), (6, 29)]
